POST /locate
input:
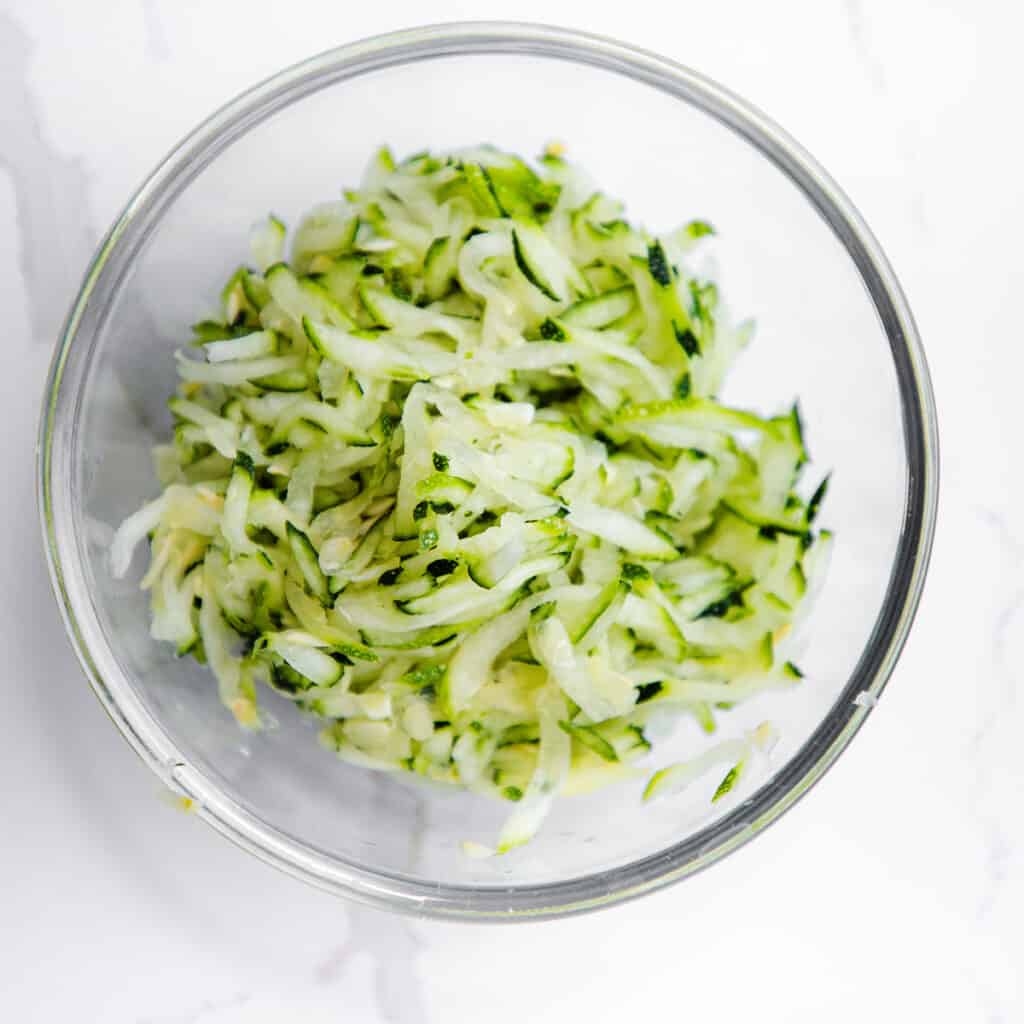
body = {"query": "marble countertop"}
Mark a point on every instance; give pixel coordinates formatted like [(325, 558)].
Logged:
[(894, 892)]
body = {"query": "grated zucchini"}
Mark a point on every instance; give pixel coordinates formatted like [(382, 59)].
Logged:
[(450, 473)]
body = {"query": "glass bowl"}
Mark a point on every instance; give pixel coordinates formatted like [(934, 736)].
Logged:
[(833, 329)]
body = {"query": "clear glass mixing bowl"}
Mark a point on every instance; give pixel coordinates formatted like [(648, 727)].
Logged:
[(833, 329)]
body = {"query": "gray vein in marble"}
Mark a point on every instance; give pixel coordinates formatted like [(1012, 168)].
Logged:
[(861, 38), (392, 944), (993, 745), (870, 58), (993, 1012), (196, 1014), (55, 241), (157, 45), (1001, 528)]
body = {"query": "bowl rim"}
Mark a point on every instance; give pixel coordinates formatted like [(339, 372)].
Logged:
[(60, 417)]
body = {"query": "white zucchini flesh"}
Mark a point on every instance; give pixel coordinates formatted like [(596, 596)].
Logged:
[(249, 346), (553, 760), (621, 530), (266, 242), (235, 371), (473, 663), (596, 699)]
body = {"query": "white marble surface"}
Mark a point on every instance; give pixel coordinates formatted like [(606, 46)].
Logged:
[(894, 892)]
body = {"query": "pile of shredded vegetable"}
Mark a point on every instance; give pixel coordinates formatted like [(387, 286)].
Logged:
[(454, 479)]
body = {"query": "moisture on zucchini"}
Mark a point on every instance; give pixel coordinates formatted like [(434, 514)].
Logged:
[(449, 471)]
